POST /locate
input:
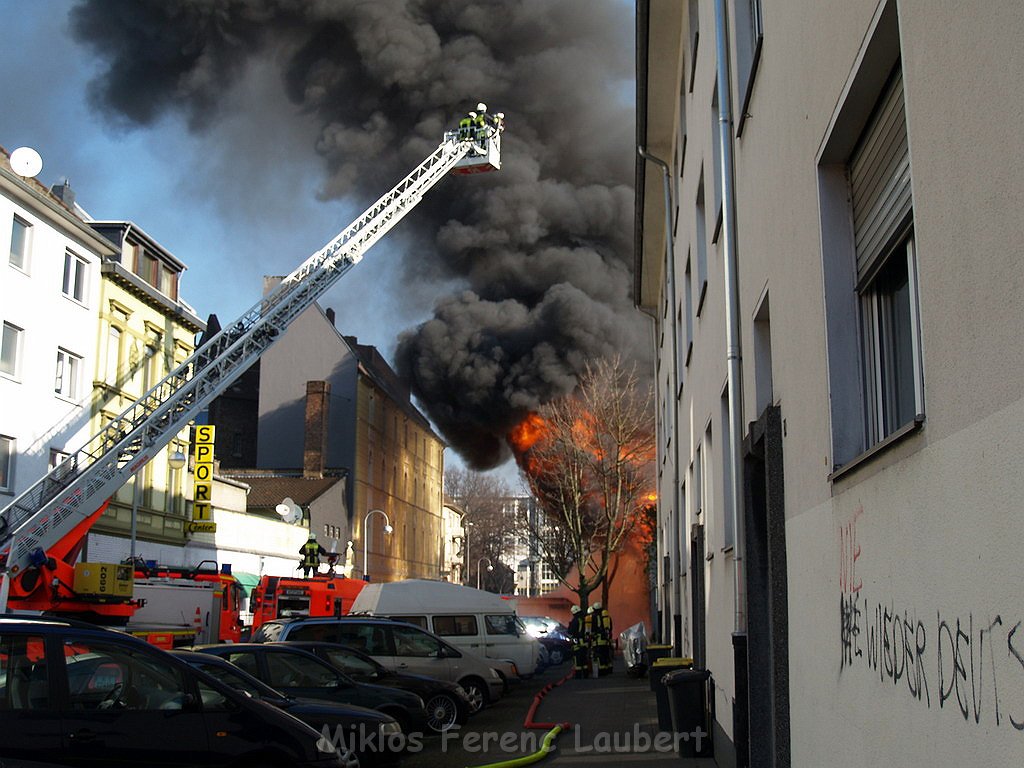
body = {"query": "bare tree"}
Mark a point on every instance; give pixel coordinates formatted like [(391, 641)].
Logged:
[(490, 526), (589, 466)]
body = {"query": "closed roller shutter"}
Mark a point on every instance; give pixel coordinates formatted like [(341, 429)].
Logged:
[(880, 180)]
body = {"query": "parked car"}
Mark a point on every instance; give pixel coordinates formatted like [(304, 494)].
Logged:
[(399, 646), (74, 694), (447, 704), (552, 635), (364, 737), (472, 619), (297, 672)]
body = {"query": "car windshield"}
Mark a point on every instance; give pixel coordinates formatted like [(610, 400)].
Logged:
[(239, 680), (354, 664)]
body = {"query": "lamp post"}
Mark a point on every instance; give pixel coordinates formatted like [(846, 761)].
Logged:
[(466, 525), (176, 461), (366, 536), (489, 568)]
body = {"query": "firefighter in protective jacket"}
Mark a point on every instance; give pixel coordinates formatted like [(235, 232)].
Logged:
[(311, 553), (602, 620), (580, 651)]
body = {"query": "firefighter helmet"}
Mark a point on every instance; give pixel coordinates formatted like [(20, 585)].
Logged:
[(481, 107), (574, 610)]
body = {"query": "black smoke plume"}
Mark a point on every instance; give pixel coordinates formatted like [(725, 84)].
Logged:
[(541, 250)]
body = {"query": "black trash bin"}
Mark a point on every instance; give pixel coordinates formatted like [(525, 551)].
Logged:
[(687, 693), (658, 671), (655, 652)]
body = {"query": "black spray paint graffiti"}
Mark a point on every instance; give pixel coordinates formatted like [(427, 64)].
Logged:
[(966, 657)]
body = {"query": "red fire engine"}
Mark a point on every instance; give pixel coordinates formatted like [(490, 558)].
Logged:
[(321, 595)]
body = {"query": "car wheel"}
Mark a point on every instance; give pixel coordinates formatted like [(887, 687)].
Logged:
[(476, 690), (442, 712), (556, 656)]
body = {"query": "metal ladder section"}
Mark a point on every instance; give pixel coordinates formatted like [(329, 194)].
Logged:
[(75, 489)]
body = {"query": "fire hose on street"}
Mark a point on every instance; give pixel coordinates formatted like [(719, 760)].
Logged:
[(529, 723)]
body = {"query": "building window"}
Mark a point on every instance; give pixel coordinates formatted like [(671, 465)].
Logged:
[(21, 239), (146, 266), (6, 463), (701, 244), (113, 354), (893, 381), (697, 482), (10, 349), (886, 269), (694, 15), (688, 298), (716, 161), (168, 283), (869, 263), (75, 274), (65, 381), (749, 36), (728, 535), (57, 457)]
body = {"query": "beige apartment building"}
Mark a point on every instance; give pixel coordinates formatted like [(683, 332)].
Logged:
[(828, 232)]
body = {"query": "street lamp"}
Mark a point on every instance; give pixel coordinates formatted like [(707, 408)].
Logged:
[(366, 537), (466, 525), (177, 459), (489, 568)]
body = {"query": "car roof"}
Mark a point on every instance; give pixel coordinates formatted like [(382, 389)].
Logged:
[(35, 619), (325, 644)]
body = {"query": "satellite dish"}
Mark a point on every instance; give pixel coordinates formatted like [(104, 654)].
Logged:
[(289, 511), (26, 162)]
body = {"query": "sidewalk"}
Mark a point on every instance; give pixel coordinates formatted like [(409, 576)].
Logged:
[(616, 723)]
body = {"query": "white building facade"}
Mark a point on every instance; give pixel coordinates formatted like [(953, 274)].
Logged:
[(828, 237), (49, 309)]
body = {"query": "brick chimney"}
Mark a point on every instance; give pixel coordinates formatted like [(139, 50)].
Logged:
[(317, 394)]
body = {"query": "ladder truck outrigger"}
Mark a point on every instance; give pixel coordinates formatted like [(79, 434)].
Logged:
[(42, 531)]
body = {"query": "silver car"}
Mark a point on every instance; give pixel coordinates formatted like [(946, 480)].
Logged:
[(399, 646)]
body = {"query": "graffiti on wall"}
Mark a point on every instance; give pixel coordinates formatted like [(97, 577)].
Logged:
[(972, 664)]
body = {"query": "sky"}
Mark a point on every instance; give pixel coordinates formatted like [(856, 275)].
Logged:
[(243, 136)]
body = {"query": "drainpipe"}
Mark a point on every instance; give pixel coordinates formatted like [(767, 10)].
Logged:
[(656, 602), (732, 327), (670, 276)]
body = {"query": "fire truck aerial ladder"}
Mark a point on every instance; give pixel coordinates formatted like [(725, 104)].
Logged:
[(42, 530)]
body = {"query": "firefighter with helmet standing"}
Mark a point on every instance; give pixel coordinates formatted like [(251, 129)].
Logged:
[(311, 552), (482, 122), (603, 620), (467, 126), (580, 652)]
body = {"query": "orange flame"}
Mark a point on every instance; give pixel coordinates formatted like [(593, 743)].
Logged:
[(526, 433)]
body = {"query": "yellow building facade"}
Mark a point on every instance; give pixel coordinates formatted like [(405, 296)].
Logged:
[(145, 331)]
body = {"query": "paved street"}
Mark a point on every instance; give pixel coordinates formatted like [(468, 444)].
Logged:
[(615, 722)]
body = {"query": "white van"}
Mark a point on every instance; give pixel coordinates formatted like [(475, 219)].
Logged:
[(479, 621)]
